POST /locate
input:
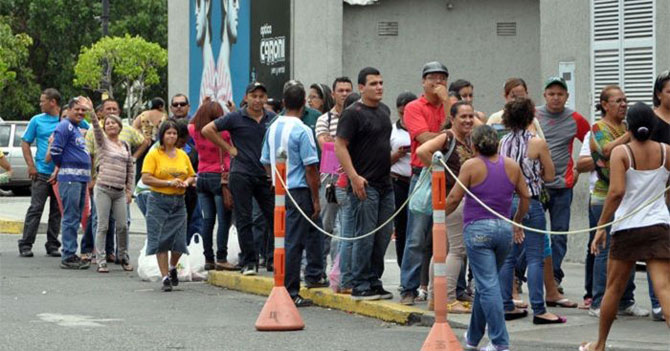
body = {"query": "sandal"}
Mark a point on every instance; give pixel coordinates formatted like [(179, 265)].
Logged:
[(586, 346), (559, 320), (102, 268), (520, 304), (126, 266), (457, 307), (510, 316), (565, 303)]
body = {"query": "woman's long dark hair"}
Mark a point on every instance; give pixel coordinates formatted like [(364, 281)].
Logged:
[(208, 111)]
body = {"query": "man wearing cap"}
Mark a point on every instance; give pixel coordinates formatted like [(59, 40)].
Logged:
[(423, 119), (561, 125), (248, 178)]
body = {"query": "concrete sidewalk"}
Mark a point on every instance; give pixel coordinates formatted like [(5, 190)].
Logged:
[(627, 333)]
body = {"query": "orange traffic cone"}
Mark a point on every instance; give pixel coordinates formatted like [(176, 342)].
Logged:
[(279, 312), (441, 337)]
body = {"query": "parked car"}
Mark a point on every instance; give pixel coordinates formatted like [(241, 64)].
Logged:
[(10, 143)]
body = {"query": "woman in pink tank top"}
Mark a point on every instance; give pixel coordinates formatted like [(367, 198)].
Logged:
[(493, 179)]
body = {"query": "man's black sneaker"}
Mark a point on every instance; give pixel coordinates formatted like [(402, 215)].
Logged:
[(364, 295), (249, 269), (321, 283), (167, 285), (74, 262), (25, 252), (174, 279), (383, 294), (302, 302), (53, 253)]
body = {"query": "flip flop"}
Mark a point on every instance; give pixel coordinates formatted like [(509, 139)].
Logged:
[(560, 320), (585, 346), (520, 304), (565, 303)]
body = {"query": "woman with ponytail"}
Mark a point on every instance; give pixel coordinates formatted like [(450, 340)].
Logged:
[(639, 171)]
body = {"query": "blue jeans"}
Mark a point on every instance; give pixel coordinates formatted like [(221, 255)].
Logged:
[(301, 236), (210, 198), (73, 196), (419, 229), (600, 270), (559, 215), (346, 220), (88, 240), (488, 241), (533, 246), (367, 264)]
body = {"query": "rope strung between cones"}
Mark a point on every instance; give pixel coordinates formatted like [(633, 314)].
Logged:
[(458, 181)]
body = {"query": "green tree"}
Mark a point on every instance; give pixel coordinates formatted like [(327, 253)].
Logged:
[(132, 63), (17, 86)]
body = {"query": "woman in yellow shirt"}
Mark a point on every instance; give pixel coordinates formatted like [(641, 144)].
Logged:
[(167, 170)]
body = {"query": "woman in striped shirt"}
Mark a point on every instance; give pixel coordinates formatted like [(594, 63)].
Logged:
[(113, 188)]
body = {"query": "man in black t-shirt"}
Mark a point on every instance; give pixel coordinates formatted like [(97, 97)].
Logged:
[(362, 145)]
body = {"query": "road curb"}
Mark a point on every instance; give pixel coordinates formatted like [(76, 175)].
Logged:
[(384, 310), (10, 226)]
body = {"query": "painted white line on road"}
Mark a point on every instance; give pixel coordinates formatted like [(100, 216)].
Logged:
[(75, 320)]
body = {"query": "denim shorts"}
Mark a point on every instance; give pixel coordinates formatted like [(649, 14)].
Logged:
[(166, 223)]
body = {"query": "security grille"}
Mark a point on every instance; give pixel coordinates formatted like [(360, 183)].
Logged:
[(506, 29), (387, 29)]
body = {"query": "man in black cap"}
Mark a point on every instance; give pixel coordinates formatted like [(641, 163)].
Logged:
[(248, 178), (423, 119)]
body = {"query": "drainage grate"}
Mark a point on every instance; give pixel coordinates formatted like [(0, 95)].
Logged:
[(387, 29), (506, 29)]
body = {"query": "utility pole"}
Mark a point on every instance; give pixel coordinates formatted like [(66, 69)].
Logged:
[(107, 73)]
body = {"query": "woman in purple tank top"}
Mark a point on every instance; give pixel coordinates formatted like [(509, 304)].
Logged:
[(494, 179)]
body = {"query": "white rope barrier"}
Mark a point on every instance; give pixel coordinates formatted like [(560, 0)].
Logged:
[(458, 181)]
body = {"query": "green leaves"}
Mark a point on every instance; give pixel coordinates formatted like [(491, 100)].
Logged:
[(13, 73)]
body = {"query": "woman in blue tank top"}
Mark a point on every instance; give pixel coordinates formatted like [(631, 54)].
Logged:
[(493, 179)]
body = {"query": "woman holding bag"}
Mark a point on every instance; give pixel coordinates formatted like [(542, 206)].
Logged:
[(212, 186), (167, 170)]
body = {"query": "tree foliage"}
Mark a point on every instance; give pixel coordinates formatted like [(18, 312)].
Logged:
[(14, 75), (60, 28), (132, 61)]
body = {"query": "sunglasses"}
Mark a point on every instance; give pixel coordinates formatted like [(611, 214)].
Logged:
[(179, 104)]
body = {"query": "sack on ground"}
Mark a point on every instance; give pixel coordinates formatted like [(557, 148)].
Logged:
[(335, 274), (147, 266), (196, 258)]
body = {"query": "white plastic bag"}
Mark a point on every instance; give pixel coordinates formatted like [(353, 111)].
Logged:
[(147, 266), (233, 246), (184, 269), (196, 258)]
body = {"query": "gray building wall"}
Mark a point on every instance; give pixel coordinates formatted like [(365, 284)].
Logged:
[(568, 38), (662, 35), (463, 38), (178, 31)]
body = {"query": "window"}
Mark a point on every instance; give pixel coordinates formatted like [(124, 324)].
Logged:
[(19, 129), (5, 130), (623, 47)]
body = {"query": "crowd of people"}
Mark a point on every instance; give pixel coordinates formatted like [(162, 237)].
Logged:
[(191, 174)]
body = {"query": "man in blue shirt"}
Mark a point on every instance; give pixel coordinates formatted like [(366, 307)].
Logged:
[(70, 155), (290, 134), (39, 130), (248, 178)]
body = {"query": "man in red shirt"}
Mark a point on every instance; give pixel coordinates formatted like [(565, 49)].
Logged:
[(423, 119)]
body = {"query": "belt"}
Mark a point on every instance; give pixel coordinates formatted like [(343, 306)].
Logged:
[(110, 187), (395, 176)]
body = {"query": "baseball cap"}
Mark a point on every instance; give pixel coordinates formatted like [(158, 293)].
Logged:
[(255, 85), (404, 98), (555, 80), (434, 67)]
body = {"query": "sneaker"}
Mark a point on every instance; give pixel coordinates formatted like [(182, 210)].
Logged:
[(102, 267), (491, 347), (364, 295), (407, 299), (167, 284), (174, 278), (25, 252), (422, 295), (74, 262), (634, 310), (594, 312), (383, 294), (300, 301), (657, 314), (468, 345), (249, 270), (321, 283), (53, 253)]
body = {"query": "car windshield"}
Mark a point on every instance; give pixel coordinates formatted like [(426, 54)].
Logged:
[(18, 133)]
